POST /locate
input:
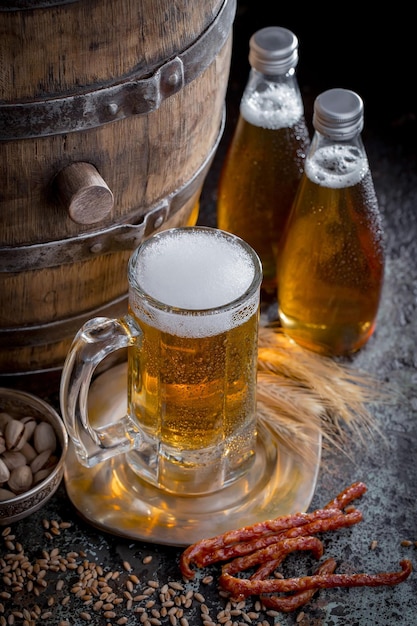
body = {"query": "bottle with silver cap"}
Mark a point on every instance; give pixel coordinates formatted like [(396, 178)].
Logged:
[(265, 158), (332, 259)]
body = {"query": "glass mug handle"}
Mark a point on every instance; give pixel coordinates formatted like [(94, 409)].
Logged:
[(95, 340)]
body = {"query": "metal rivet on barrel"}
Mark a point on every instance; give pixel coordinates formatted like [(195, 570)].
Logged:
[(173, 79), (112, 108), (96, 248), (158, 222)]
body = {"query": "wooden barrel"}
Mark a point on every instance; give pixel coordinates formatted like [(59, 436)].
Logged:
[(110, 115)]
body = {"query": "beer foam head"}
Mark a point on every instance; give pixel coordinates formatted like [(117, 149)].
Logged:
[(278, 106), (195, 269), (337, 166)]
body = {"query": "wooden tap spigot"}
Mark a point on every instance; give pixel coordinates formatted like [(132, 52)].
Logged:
[(84, 193)]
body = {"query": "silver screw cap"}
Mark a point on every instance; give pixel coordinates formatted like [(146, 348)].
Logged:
[(273, 50), (338, 114)]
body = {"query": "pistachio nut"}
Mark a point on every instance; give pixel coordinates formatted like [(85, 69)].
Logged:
[(30, 425), (41, 475), (40, 461), (6, 494), (4, 472), (14, 434), (20, 479), (13, 459), (44, 437), (28, 452), (4, 418)]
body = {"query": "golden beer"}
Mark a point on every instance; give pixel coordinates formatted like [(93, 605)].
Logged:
[(332, 262), (261, 172), (195, 393), (194, 293)]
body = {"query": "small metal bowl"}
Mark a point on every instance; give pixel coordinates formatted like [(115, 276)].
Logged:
[(19, 404)]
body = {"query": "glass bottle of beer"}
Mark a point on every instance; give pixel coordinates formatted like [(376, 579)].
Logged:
[(265, 158), (332, 259)]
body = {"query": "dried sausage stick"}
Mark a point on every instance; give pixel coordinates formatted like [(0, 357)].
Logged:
[(349, 519), (237, 542), (286, 604), (353, 492), (202, 552), (320, 524), (320, 521), (277, 552), (245, 587)]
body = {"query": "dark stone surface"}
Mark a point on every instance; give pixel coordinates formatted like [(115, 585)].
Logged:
[(373, 62)]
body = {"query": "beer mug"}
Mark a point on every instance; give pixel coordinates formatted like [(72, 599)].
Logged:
[(191, 333)]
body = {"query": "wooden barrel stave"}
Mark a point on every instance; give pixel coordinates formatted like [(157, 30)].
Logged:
[(143, 158)]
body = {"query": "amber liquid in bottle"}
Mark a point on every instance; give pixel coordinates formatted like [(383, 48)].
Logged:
[(193, 216), (261, 173), (332, 261)]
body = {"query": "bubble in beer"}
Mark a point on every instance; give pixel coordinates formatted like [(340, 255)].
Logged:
[(195, 270)]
